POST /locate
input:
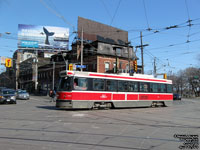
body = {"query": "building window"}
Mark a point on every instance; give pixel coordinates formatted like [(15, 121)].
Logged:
[(94, 67), (118, 52), (107, 66), (127, 68), (120, 64)]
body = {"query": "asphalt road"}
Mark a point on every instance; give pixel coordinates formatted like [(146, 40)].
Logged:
[(37, 125)]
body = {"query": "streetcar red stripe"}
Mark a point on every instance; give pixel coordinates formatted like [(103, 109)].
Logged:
[(111, 96), (155, 97), (91, 96), (120, 77), (132, 96), (118, 96), (64, 95)]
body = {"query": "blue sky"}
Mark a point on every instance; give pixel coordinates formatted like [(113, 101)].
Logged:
[(168, 46)]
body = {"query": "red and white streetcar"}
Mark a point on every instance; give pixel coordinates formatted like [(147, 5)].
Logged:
[(79, 90)]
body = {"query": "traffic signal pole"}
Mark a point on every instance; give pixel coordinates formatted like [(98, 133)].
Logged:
[(36, 69)]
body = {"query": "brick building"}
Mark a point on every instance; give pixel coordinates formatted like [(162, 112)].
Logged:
[(106, 49)]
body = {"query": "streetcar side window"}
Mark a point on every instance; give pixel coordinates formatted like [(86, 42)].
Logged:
[(65, 84), (122, 86), (98, 85), (133, 86), (144, 87), (157, 88), (154, 87), (163, 88), (169, 88), (111, 85), (80, 84)]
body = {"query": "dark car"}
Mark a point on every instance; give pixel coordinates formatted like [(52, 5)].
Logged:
[(1, 88), (22, 94), (176, 96), (7, 96)]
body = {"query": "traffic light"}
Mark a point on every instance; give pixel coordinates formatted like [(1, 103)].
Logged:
[(70, 67), (8, 62), (135, 65), (165, 76)]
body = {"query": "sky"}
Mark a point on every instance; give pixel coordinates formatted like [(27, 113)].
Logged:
[(171, 28)]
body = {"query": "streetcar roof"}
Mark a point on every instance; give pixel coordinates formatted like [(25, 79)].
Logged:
[(120, 76)]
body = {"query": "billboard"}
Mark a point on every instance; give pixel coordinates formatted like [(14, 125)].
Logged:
[(43, 37), (94, 31)]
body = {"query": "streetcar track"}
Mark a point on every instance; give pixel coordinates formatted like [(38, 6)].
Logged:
[(111, 123), (87, 133)]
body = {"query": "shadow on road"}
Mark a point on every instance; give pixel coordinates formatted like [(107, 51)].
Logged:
[(48, 107), (61, 109)]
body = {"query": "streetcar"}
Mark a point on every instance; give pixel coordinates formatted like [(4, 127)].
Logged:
[(88, 90)]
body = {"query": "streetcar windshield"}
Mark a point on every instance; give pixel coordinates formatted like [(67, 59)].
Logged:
[(65, 84), (80, 84)]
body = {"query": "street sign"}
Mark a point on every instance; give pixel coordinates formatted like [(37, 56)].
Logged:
[(74, 67), (3, 60), (79, 66)]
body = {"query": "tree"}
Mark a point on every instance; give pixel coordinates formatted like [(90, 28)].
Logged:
[(193, 78), (187, 82)]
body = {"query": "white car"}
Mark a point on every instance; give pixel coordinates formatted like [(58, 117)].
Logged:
[(23, 94)]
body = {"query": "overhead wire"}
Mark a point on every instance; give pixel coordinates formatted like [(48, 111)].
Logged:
[(145, 12), (107, 11), (115, 12), (57, 14)]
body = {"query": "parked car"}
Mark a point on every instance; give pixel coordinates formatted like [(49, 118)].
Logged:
[(176, 96), (7, 96), (23, 94)]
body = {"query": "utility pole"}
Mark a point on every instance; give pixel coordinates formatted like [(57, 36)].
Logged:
[(142, 52), (154, 67), (116, 62), (82, 49), (53, 75), (142, 46), (16, 73), (129, 65)]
